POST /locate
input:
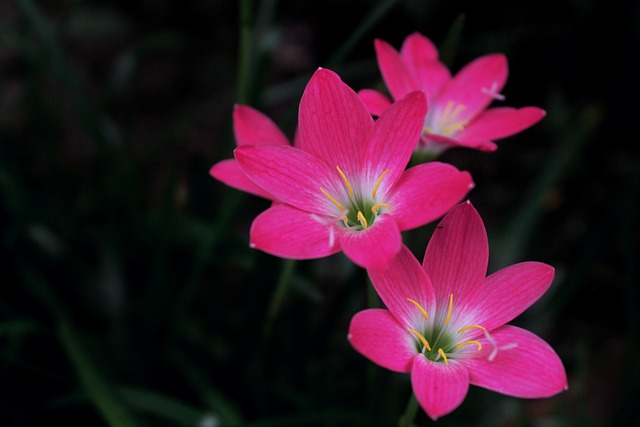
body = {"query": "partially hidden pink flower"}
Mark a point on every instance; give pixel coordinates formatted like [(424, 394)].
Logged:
[(445, 323), (344, 186), (250, 127), (458, 114)]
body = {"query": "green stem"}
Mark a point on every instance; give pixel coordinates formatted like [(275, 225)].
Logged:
[(245, 53), (367, 23), (114, 411), (410, 412), (278, 295), (373, 301)]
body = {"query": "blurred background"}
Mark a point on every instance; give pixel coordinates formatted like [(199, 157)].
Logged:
[(128, 293)]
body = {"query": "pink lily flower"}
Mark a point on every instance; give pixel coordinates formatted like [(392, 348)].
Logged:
[(458, 114), (445, 323), (250, 127), (344, 186)]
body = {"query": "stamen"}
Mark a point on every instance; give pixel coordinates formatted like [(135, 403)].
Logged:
[(457, 110), (425, 343), (447, 120), (335, 202), (444, 356), (377, 184), (422, 310), (466, 328), (346, 181), (477, 343), (454, 127), (447, 109), (449, 310), (378, 206), (427, 129), (362, 219)]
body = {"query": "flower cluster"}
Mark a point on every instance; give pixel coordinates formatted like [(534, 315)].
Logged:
[(344, 185)]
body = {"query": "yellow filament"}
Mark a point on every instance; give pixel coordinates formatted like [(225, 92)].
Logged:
[(377, 184), (335, 202), (448, 116), (457, 111), (380, 205), (425, 343), (346, 181), (466, 328), (362, 220), (456, 126), (422, 310), (449, 310), (444, 356), (477, 343)]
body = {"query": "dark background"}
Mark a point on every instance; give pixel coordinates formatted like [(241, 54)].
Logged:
[(128, 293)]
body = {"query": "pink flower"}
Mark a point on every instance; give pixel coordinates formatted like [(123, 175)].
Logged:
[(250, 127), (458, 114), (344, 186), (445, 322)]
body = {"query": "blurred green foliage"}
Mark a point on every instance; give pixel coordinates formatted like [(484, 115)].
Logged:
[(128, 293)]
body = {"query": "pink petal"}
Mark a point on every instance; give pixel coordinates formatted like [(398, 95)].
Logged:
[(228, 172), (531, 370), (496, 123), (394, 71), (426, 192), (287, 232), (334, 123), (417, 47), (421, 58), (395, 135), (507, 293), (444, 141), (375, 101), (458, 253), (293, 176), (374, 247), (404, 278), (250, 126), (377, 335), (439, 388), (473, 84)]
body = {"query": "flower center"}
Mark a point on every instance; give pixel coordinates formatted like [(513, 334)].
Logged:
[(440, 341), (358, 211), (447, 122)]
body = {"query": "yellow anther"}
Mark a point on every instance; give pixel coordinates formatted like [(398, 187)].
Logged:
[(377, 184), (380, 205), (466, 328), (477, 343), (447, 120), (422, 310), (427, 129), (449, 310), (444, 356), (346, 181), (455, 127), (362, 219), (425, 343), (335, 202)]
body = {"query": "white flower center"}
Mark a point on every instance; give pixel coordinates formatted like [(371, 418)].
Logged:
[(357, 211)]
